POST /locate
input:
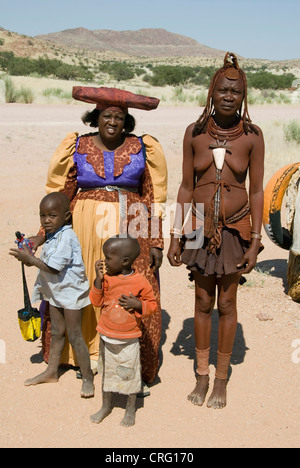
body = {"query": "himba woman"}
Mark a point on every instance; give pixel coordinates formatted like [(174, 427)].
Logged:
[(112, 177), (232, 221)]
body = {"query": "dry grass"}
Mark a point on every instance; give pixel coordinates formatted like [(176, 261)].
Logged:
[(168, 95), (279, 151)]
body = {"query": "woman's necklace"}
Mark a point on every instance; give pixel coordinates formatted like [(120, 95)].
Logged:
[(222, 135)]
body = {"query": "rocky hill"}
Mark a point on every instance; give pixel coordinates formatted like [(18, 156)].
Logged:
[(141, 43), (155, 46)]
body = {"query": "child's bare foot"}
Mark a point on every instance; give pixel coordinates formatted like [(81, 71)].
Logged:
[(87, 389), (41, 378), (105, 410), (217, 399), (102, 414), (129, 418), (198, 395)]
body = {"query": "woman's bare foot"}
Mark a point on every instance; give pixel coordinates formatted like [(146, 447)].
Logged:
[(217, 399), (41, 378), (87, 389), (198, 395)]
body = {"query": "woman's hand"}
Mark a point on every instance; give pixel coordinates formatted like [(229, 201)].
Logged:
[(156, 257), (174, 253), (249, 260)]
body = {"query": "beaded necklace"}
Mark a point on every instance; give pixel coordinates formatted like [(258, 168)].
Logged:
[(222, 135)]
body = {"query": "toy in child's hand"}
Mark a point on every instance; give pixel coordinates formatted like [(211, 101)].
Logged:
[(29, 317), (21, 239)]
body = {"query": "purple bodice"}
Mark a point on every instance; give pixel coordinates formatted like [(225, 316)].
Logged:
[(130, 177)]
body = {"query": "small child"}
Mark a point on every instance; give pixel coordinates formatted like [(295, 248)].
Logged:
[(125, 297), (63, 283)]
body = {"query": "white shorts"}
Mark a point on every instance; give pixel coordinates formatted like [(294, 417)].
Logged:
[(121, 367)]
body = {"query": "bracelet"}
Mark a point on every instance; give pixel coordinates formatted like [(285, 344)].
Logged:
[(177, 232), (256, 235)]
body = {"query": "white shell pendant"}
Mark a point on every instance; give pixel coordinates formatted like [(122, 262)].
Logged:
[(219, 157)]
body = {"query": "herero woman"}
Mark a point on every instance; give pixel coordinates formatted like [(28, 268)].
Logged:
[(232, 221), (105, 174)]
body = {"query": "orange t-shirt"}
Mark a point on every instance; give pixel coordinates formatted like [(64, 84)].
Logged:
[(115, 321)]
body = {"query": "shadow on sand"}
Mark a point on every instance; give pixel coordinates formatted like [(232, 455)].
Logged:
[(185, 343)]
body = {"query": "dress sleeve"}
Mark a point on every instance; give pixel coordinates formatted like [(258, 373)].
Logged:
[(154, 188), (157, 165), (60, 168), (61, 163)]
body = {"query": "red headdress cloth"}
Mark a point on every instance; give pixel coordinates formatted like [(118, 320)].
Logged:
[(106, 97)]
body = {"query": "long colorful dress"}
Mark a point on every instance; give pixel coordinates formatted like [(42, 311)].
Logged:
[(92, 179)]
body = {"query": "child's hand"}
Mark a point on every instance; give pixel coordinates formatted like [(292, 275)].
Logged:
[(130, 303), (99, 268), (36, 241), (23, 255)]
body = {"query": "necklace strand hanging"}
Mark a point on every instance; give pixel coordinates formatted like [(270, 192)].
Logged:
[(221, 136)]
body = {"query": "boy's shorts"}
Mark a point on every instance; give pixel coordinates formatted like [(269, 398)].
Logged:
[(121, 367)]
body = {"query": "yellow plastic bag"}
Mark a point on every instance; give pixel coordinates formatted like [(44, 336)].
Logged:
[(30, 324), (29, 318)]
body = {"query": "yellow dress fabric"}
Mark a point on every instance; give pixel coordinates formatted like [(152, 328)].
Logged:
[(95, 221), (60, 163)]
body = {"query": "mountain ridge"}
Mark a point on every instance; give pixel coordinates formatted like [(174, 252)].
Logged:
[(143, 42), (176, 49)]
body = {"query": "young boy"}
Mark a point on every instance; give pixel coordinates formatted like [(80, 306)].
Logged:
[(61, 281), (125, 297)]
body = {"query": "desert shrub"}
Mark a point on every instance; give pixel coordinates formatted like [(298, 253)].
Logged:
[(176, 75), (120, 71), (266, 80), (25, 95), (203, 76), (292, 131), (5, 57), (12, 94), (24, 66), (57, 93), (10, 90), (202, 98), (178, 94), (164, 75)]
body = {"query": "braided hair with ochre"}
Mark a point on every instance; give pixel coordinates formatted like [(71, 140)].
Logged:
[(232, 71)]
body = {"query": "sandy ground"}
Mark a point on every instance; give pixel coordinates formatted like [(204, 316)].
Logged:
[(263, 391)]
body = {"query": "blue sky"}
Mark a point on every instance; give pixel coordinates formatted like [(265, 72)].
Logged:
[(267, 29)]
